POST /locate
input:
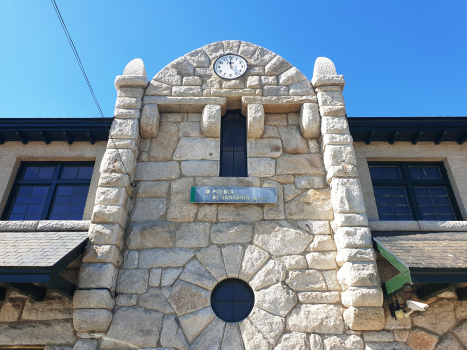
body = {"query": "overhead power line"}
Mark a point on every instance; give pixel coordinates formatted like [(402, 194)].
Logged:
[(75, 52)]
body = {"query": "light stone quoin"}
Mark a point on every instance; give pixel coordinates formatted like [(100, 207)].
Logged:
[(308, 258)]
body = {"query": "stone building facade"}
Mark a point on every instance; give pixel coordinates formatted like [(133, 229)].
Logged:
[(153, 257)]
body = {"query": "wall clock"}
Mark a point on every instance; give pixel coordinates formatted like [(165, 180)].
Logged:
[(230, 66)]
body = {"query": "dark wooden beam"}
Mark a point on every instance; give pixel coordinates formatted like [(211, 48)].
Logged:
[(21, 137), (416, 137), (370, 137), (2, 294), (462, 293), (440, 137), (433, 289), (44, 136), (61, 286), (68, 137), (462, 138), (90, 137), (30, 290), (393, 137)]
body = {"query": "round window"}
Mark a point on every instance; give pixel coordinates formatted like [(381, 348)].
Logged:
[(232, 300)]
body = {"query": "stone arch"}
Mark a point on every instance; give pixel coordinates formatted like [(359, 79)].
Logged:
[(269, 75)]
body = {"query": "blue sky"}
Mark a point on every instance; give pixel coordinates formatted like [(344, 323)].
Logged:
[(399, 58)]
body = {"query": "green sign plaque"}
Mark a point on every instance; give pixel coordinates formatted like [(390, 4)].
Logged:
[(251, 195)]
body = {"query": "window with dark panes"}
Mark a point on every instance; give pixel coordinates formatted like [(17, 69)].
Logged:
[(413, 191), (233, 160), (49, 191), (232, 300)]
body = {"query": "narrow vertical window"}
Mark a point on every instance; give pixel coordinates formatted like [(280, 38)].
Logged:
[(233, 145)]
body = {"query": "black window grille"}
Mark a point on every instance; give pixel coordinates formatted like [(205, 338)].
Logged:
[(49, 191), (232, 300), (413, 191), (233, 145)]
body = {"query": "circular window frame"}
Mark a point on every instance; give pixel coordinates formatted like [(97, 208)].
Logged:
[(247, 288)]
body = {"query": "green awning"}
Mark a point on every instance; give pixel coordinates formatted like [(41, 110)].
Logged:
[(438, 260)]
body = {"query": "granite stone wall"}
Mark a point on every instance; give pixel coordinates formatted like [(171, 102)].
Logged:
[(154, 258)]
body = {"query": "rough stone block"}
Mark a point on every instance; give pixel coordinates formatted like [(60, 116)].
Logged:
[(132, 281), (255, 121), (358, 275), (94, 275), (348, 220), (128, 102), (239, 212), (86, 344), (106, 234), (310, 120), (148, 209), (152, 189), (339, 156), (253, 260), (190, 129), (180, 208), (118, 161), (280, 238), (211, 121), (127, 113), (171, 257), (316, 318), (200, 168), (253, 82), (330, 98), (231, 233), (308, 164), (364, 318), (111, 196), (271, 273), (261, 167), (92, 320), (307, 182), (321, 260), (275, 91), (187, 297), (194, 148), (156, 234), (144, 332), (232, 255), (306, 280), (212, 260), (276, 299), (271, 148), (265, 80), (334, 125), (148, 171), (347, 196), (102, 253), (355, 255), (192, 235), (125, 129), (315, 227), (158, 89), (93, 299), (292, 141), (318, 297), (358, 296), (322, 243), (149, 122), (291, 76)]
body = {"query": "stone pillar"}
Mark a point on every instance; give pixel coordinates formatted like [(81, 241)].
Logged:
[(94, 301), (211, 121), (358, 276)]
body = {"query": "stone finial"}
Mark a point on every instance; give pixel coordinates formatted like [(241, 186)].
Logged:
[(324, 66), (135, 67), (134, 75)]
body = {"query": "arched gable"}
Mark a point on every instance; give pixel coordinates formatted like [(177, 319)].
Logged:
[(269, 75)]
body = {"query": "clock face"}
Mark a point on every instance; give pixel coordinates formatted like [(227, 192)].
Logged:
[(230, 66)]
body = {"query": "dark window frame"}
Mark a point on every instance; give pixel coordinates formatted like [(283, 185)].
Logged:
[(215, 303), (53, 183), (245, 158), (410, 185)]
